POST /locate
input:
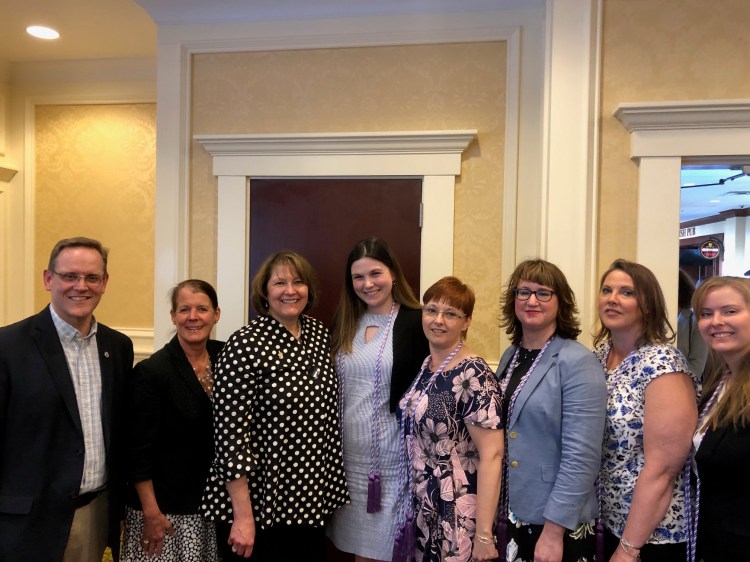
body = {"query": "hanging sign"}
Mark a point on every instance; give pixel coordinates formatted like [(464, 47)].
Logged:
[(710, 249)]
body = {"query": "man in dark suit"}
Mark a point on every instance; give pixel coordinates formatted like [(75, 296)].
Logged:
[(61, 386)]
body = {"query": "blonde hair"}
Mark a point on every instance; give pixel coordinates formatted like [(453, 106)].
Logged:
[(734, 406)]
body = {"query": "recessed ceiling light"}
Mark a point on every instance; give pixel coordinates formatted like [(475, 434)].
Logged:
[(42, 32), (715, 201)]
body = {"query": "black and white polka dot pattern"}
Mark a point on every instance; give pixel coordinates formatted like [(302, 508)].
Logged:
[(276, 422), (194, 540)]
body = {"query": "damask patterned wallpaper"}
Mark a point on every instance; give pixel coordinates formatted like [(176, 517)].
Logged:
[(670, 50), (95, 176), (424, 87)]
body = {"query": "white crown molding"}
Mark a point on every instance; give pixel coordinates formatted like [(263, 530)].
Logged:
[(294, 144), (711, 114), (347, 32)]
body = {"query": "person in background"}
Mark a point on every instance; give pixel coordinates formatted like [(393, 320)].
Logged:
[(378, 345), (278, 472), (62, 391), (651, 414), (722, 440), (689, 340), (171, 439), (554, 401), (452, 433)]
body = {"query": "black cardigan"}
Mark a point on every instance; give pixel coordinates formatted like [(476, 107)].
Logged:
[(723, 460), (170, 430), (410, 348)]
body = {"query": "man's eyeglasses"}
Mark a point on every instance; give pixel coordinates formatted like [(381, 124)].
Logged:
[(448, 315), (91, 279), (542, 295)]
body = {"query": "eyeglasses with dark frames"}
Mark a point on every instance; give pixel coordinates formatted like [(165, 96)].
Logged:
[(90, 279), (542, 295), (448, 315)]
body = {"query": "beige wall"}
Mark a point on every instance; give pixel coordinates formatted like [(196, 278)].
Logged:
[(426, 87), (95, 176), (669, 50)]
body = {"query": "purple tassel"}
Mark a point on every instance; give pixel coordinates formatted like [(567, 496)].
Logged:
[(410, 537), (501, 532), (398, 544), (599, 540), (373, 492), (405, 544)]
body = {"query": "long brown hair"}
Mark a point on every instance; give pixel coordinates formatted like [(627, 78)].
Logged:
[(351, 308), (734, 406), (655, 325), (549, 275)]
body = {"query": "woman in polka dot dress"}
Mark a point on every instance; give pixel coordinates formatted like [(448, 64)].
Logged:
[(278, 471)]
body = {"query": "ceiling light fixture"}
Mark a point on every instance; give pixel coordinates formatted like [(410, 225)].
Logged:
[(42, 32)]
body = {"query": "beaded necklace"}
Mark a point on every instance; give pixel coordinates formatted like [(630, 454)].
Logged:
[(404, 543)]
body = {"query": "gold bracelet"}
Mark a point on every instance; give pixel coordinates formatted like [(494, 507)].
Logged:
[(486, 540), (627, 547)]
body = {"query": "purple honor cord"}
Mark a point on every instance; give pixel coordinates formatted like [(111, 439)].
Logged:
[(373, 480), (501, 530), (692, 504), (404, 544)]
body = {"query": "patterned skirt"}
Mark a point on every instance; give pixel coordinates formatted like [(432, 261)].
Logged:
[(194, 540), (578, 545)]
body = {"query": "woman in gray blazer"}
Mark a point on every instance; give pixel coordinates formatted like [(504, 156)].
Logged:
[(554, 400)]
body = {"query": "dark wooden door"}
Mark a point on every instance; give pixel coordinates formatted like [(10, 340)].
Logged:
[(322, 219)]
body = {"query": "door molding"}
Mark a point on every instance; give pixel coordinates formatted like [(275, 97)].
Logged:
[(433, 155), (661, 135)]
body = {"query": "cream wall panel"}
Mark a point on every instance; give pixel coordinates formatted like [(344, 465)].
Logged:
[(420, 87), (95, 176), (669, 50)]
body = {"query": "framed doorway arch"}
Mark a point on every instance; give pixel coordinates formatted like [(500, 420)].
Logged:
[(661, 135), (433, 155)]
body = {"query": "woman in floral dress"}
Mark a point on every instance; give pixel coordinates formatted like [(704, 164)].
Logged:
[(651, 415), (451, 417)]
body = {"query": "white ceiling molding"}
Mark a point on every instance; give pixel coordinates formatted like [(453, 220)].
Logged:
[(684, 115)]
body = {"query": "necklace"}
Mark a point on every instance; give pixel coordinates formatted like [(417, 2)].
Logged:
[(205, 377), (299, 330)]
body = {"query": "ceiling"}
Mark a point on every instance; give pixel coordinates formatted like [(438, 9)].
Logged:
[(101, 29), (708, 200), (105, 29)]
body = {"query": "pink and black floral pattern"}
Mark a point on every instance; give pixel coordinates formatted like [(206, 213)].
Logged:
[(445, 459)]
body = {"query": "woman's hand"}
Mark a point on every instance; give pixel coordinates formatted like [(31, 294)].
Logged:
[(156, 526), (549, 547), (482, 551), (242, 536)]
